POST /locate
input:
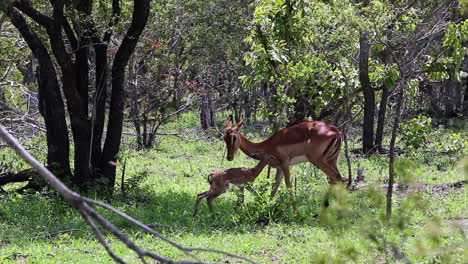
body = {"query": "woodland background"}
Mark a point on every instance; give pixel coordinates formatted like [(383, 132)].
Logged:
[(148, 85)]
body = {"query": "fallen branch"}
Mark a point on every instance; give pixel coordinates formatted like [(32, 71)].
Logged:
[(92, 218), (10, 177)]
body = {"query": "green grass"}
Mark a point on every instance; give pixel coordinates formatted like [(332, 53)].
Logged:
[(162, 183)]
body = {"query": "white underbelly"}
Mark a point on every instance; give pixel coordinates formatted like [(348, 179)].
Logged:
[(298, 159)]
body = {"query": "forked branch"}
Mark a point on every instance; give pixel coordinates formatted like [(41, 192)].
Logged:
[(93, 218)]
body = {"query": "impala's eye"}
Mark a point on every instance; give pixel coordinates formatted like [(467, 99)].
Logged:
[(234, 138)]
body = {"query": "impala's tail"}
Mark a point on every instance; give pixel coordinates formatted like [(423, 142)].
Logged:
[(209, 178), (334, 148)]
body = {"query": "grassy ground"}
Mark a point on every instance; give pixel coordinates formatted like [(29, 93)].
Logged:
[(429, 224)]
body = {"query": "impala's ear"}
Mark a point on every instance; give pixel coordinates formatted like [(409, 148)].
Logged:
[(239, 125), (229, 122)]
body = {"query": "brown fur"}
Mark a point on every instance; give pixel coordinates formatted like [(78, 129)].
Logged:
[(220, 181), (316, 141)]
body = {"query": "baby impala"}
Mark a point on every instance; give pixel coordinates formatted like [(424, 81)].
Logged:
[(220, 180)]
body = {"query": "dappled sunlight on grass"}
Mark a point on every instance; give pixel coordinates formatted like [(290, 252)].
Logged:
[(160, 189)]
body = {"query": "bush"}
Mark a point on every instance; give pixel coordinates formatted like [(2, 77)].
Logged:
[(10, 161), (416, 131)]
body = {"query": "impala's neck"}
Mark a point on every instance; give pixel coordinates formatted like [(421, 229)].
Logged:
[(249, 147)]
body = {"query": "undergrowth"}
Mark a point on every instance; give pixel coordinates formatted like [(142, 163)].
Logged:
[(160, 185)]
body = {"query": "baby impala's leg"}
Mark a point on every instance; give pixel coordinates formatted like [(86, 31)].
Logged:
[(241, 196), (197, 201), (209, 201)]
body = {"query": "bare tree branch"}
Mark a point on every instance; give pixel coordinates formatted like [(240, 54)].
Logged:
[(91, 217), (25, 7), (101, 238)]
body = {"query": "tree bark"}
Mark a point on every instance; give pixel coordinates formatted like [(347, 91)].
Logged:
[(79, 120), (207, 114), (140, 16), (369, 95), (465, 97), (51, 104), (465, 87), (100, 98), (391, 169), (73, 59), (449, 100), (428, 89), (381, 118)]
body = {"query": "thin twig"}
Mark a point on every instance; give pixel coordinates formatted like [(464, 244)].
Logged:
[(153, 232), (101, 238)]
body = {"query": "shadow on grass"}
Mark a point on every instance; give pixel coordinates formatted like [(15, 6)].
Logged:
[(28, 217)]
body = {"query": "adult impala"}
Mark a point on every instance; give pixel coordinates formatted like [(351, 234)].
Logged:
[(316, 141)]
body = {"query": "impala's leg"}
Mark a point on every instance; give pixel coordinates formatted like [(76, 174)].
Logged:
[(209, 201), (278, 178), (333, 165), (287, 174), (287, 179), (197, 202), (325, 167), (328, 170), (241, 196)]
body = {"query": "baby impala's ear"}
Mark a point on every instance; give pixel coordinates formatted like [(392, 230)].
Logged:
[(229, 122)]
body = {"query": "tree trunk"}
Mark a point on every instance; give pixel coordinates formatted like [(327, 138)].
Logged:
[(465, 88), (247, 102), (3, 103), (99, 102), (51, 105), (27, 70), (208, 114), (369, 96), (458, 95), (449, 100), (433, 97), (134, 110), (381, 118), (391, 170), (74, 66), (114, 128), (465, 97)]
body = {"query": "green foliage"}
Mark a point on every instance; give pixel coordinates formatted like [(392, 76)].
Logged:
[(383, 75), (443, 67), (263, 209), (464, 6), (406, 169), (10, 161), (451, 142), (161, 185), (416, 131), (302, 49)]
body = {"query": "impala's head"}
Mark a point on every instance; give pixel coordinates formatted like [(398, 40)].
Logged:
[(232, 138)]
